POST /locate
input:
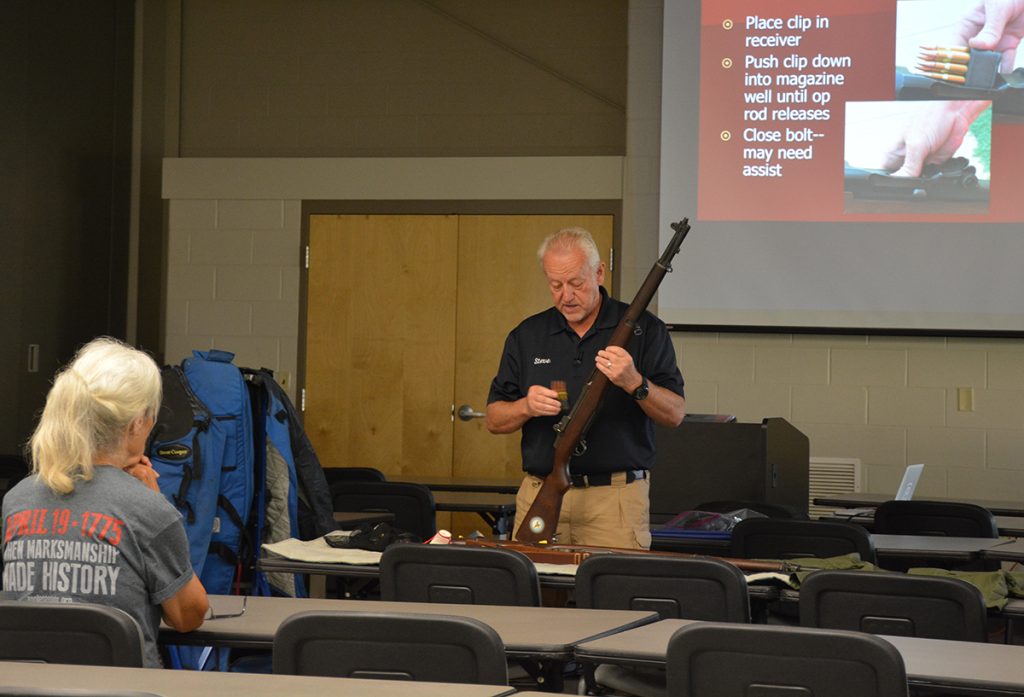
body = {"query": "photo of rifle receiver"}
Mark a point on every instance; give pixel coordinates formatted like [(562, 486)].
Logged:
[(541, 520)]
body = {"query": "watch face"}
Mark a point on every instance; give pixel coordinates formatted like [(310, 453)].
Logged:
[(641, 392)]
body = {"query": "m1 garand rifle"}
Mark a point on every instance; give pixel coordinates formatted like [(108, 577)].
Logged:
[(541, 520)]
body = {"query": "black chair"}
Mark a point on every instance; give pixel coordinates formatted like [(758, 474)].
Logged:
[(943, 518), (458, 574), (696, 589), (771, 538), (742, 660), (675, 588), (334, 475), (930, 607), (411, 504), (391, 646), (466, 575), (935, 518), (78, 633)]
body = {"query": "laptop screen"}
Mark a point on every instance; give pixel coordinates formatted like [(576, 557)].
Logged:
[(909, 483)]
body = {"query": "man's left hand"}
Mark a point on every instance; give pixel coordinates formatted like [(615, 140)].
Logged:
[(616, 363)]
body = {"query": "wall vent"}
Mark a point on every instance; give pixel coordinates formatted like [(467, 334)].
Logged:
[(830, 476)]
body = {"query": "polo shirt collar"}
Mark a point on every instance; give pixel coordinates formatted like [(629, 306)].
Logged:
[(608, 316)]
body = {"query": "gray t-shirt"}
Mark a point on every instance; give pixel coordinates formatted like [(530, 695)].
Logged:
[(112, 541)]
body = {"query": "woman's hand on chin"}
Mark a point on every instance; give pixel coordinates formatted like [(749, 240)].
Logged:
[(142, 469)]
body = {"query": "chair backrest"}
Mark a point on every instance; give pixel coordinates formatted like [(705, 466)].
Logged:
[(392, 646), (930, 607), (743, 660), (935, 518), (334, 475), (80, 633), (772, 538), (945, 518), (458, 574), (696, 589), (412, 504)]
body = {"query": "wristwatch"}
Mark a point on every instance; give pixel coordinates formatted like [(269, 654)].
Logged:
[(640, 393)]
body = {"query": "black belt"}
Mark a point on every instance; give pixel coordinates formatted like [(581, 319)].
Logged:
[(604, 478)]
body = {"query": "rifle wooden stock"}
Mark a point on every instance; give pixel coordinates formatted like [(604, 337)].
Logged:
[(575, 554), (541, 520)]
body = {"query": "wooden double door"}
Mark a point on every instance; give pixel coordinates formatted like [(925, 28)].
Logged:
[(406, 319)]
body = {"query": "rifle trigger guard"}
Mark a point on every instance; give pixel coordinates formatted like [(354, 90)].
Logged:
[(580, 448)]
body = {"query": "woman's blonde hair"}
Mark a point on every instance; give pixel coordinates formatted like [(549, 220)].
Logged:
[(88, 410)]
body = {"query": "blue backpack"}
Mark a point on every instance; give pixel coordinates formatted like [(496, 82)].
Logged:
[(202, 447), (234, 459)]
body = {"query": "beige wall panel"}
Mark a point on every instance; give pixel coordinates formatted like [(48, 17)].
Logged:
[(701, 396), (1006, 369), (876, 445), (754, 402), (829, 404), (938, 367), (719, 362), (1005, 449), (787, 364), (961, 447), (906, 406), (995, 408), (868, 367)]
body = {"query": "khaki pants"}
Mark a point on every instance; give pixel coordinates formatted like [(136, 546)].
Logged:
[(617, 515)]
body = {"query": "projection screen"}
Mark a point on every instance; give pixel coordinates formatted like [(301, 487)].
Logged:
[(844, 166)]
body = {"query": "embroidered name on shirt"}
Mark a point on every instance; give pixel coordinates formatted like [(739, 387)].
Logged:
[(538, 361)]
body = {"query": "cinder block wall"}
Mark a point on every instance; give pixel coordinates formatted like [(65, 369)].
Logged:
[(233, 281), (889, 401)]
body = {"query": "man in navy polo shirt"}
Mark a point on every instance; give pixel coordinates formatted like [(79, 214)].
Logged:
[(608, 503)]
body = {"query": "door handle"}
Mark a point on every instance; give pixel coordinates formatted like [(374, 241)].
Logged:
[(467, 413)]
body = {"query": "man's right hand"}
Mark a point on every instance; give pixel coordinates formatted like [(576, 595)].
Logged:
[(542, 401), (506, 417)]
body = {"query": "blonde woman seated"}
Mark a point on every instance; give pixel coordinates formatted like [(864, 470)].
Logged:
[(90, 523)]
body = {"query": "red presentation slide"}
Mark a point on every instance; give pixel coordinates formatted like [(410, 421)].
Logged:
[(875, 110)]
